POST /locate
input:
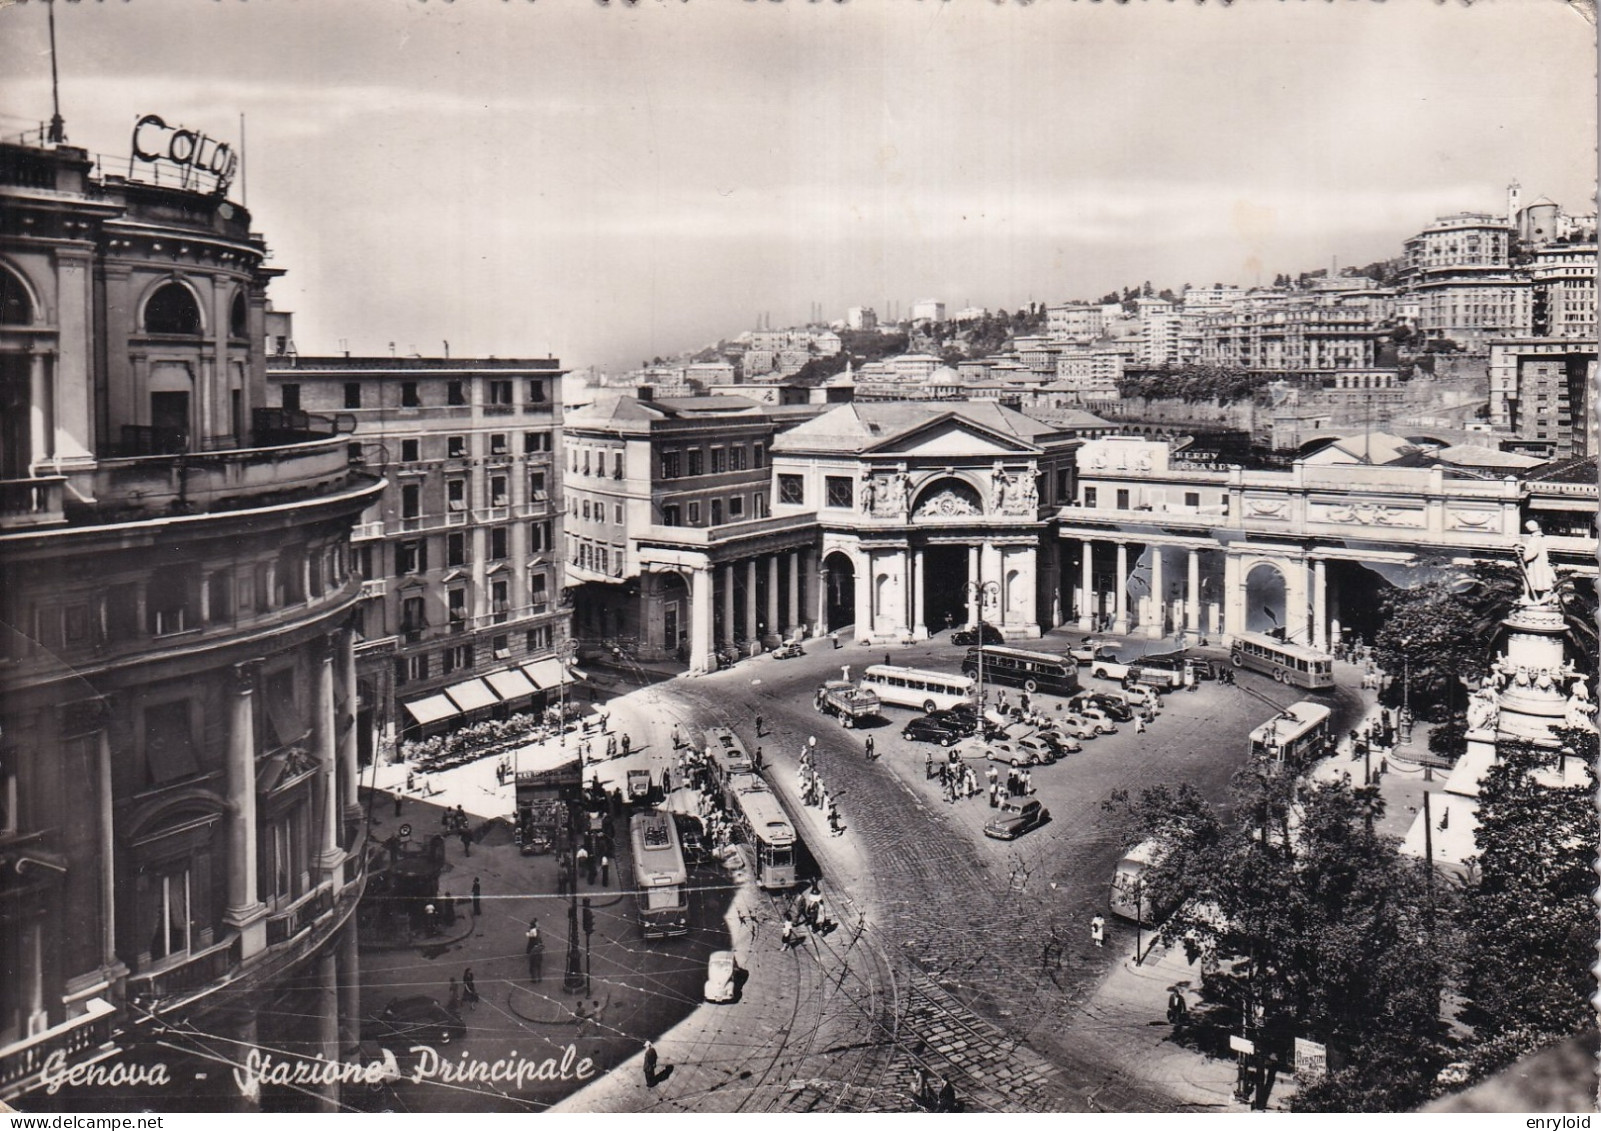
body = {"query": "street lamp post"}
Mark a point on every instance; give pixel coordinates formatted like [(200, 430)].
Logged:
[(979, 592), (1406, 693), (573, 979)]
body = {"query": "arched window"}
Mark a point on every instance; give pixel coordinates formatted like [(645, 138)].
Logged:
[(172, 310), (16, 308), (238, 317)]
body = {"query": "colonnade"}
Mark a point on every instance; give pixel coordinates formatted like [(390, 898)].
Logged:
[(1191, 603), (779, 588)]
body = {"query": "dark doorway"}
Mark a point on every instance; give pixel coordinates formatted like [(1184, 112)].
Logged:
[(169, 421), (15, 442), (944, 586), (839, 578)]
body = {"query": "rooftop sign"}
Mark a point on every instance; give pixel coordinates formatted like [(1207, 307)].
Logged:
[(192, 151)]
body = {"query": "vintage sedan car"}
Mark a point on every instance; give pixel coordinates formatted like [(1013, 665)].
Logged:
[(1113, 706), (1016, 816), (417, 1020), (721, 973), (929, 728), (1092, 650), (1076, 725), (1013, 753), (1099, 718), (969, 635), (961, 718), (1062, 744)]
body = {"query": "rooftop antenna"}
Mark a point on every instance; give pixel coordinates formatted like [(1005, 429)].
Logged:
[(58, 127), (244, 187)]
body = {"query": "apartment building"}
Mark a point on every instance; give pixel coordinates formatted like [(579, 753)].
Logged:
[(461, 610)]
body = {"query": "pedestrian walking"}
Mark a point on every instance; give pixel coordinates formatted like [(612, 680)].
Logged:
[(833, 821), (995, 796), (677, 740), (1098, 930), (534, 947), (627, 744), (397, 802), (478, 897), (1139, 723), (869, 747), (760, 730), (786, 937), (469, 988), (928, 766), (650, 1065), (756, 759), (833, 638), (605, 871), (466, 841), (430, 919)]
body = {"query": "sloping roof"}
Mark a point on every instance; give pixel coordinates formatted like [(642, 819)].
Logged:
[(1575, 469), (1477, 455), (1377, 447), (860, 425)]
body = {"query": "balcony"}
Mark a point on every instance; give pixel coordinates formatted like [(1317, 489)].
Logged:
[(195, 482), (366, 531), (300, 916), (499, 409), (374, 588), (31, 502), (73, 1040), (194, 973)]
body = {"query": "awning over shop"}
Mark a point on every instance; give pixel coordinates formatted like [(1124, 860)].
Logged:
[(510, 684), (431, 709), (546, 673), (471, 694)]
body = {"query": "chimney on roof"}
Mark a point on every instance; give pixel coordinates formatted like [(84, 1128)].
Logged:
[(646, 393)]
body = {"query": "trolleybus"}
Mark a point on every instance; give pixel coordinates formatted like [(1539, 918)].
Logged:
[(1287, 663), (916, 687), (726, 754), (771, 835), (1018, 667), (660, 877), (1299, 735)]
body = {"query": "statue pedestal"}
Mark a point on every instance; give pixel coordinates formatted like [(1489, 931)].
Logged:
[(1535, 697)]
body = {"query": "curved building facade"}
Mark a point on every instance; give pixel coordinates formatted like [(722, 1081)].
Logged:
[(178, 762)]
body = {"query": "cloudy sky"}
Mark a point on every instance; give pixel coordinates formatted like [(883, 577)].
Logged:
[(606, 182)]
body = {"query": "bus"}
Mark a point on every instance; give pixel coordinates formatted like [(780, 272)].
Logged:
[(1287, 663), (1299, 735), (770, 834), (1131, 899), (916, 687), (660, 878), (1032, 671), (726, 755)]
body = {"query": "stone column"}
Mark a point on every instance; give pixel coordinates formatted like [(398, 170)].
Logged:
[(816, 592), (700, 620), (975, 584), (919, 627), (347, 730), (796, 616), (1120, 590), (1233, 599), (729, 635), (332, 859), (1192, 593), (750, 598), (1158, 626), (1320, 605), (107, 844), (349, 989), (41, 419), (328, 1020), (72, 408), (773, 623), (864, 595), (1088, 606), (245, 912)]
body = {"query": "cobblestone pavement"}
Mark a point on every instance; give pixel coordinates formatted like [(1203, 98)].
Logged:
[(983, 970)]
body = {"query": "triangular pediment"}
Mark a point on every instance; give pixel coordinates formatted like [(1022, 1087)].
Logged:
[(953, 437)]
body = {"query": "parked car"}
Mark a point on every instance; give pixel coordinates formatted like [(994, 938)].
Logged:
[(928, 728), (1076, 725), (1092, 650), (962, 718), (1063, 744), (788, 650), (1109, 669), (969, 635), (1043, 753), (1098, 718), (1012, 753), (1015, 817), (418, 1020), (721, 971), (1112, 706)]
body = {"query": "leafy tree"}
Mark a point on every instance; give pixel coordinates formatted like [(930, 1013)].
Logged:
[(1167, 295), (1109, 298), (1306, 924), (1529, 921)]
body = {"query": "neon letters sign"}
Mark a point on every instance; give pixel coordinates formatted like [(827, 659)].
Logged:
[(154, 140)]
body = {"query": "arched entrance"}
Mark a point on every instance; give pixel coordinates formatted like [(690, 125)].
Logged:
[(1265, 600), (839, 589), (944, 586), (1355, 601)]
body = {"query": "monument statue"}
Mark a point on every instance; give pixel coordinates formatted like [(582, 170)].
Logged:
[(1483, 709), (1538, 576)]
